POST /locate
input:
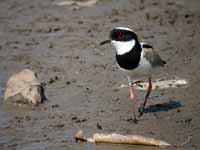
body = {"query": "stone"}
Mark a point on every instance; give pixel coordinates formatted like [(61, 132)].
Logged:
[(24, 87)]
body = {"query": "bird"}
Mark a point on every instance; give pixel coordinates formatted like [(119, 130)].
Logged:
[(136, 59)]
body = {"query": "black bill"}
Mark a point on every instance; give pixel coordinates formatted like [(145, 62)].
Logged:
[(105, 42)]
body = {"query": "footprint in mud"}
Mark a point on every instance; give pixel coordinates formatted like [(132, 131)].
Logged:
[(78, 120)]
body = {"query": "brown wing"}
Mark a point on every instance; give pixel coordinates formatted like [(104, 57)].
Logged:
[(151, 55)]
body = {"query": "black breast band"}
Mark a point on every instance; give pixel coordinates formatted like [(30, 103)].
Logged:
[(130, 60)]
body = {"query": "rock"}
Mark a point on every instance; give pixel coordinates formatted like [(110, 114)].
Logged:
[(24, 87)]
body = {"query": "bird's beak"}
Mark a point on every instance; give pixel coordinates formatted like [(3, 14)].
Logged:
[(105, 42)]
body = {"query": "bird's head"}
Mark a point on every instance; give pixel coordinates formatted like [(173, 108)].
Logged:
[(123, 39)]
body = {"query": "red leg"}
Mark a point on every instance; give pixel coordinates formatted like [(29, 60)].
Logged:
[(148, 92), (149, 89), (132, 97)]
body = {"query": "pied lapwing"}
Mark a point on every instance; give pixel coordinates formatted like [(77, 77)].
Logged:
[(135, 58)]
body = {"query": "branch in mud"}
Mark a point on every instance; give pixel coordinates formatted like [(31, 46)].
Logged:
[(124, 139)]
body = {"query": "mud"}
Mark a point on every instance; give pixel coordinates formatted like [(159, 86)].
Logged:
[(60, 43)]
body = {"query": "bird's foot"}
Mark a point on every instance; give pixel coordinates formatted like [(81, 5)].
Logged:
[(141, 111)]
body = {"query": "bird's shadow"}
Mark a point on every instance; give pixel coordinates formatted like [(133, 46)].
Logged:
[(162, 107)]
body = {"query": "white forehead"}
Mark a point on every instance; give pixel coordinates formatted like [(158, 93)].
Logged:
[(124, 28)]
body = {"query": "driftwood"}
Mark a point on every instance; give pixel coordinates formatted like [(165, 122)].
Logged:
[(86, 3), (159, 84), (124, 139)]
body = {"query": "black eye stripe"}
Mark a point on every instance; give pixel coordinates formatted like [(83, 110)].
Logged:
[(122, 35)]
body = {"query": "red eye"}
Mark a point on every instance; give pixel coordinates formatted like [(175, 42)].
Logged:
[(120, 35)]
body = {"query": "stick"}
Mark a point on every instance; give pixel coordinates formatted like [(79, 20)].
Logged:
[(126, 139)]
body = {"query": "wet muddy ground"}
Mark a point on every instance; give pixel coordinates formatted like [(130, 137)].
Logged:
[(60, 43)]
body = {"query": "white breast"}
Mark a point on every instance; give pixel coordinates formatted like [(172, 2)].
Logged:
[(144, 69), (123, 47)]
